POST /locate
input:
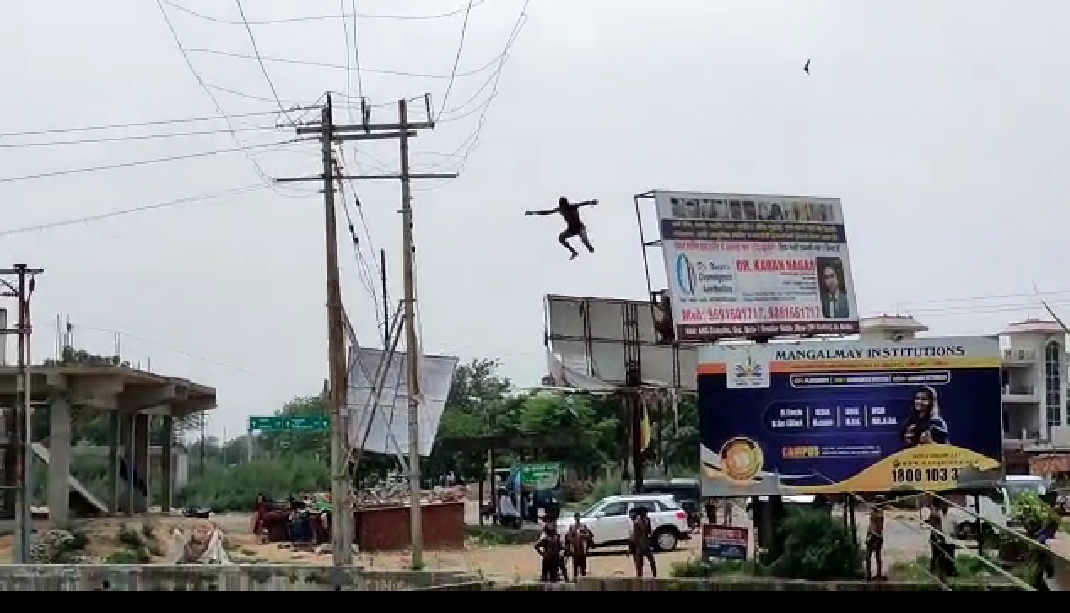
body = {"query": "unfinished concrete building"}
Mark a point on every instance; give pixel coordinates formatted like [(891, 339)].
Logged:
[(132, 399)]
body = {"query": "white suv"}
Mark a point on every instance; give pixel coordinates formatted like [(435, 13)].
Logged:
[(608, 520)]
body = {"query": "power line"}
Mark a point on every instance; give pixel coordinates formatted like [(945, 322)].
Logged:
[(139, 209), (469, 144), (320, 17), (132, 137), (456, 58), (168, 348), (986, 297), (260, 61), (172, 158), (142, 124), (352, 48), (398, 73), (219, 108)]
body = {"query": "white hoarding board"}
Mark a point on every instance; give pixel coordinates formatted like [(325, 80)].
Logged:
[(389, 432), (587, 348), (743, 265)]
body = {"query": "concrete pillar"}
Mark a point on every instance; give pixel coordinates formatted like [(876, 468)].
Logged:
[(126, 442), (141, 461), (166, 459), (59, 465), (114, 448)]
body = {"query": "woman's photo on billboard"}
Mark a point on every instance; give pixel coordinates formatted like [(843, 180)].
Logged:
[(924, 425)]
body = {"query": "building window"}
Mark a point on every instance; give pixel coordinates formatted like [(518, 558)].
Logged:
[(1053, 383)]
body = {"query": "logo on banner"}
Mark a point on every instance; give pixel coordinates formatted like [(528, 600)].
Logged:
[(685, 275), (748, 372)]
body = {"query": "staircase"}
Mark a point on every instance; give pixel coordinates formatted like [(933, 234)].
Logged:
[(83, 502)]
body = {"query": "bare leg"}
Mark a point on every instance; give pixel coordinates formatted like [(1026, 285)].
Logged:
[(586, 241), (563, 239)]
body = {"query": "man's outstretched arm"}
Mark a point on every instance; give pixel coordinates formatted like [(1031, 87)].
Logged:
[(550, 212), (587, 203)]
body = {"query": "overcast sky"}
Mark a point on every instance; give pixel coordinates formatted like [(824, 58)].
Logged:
[(941, 125)]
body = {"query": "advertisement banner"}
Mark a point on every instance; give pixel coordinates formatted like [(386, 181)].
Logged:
[(751, 265), (831, 417), (724, 542)]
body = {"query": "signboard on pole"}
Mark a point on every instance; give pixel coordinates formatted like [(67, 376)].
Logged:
[(724, 542), (744, 265), (541, 475), (832, 417), (290, 423)]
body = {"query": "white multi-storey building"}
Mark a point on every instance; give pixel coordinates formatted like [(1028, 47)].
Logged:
[(1035, 369)]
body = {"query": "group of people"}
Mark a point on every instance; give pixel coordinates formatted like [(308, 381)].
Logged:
[(577, 542)]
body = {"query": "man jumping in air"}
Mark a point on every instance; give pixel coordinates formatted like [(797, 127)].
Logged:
[(573, 225)]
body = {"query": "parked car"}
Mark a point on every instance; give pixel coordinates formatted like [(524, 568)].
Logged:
[(609, 522), (686, 491)]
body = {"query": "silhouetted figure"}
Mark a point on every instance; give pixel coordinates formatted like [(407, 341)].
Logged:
[(573, 225)]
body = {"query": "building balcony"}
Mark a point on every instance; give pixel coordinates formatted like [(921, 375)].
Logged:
[(1019, 357), (1020, 393)]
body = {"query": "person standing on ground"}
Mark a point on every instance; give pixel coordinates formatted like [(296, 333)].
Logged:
[(549, 549), (641, 544), (875, 540), (942, 554), (578, 542), (573, 224)]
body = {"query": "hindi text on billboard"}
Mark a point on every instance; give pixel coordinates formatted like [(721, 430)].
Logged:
[(752, 265)]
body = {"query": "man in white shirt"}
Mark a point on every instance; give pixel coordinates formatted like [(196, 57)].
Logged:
[(507, 512)]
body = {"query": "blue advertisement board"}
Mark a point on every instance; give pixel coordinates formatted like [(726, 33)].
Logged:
[(850, 416)]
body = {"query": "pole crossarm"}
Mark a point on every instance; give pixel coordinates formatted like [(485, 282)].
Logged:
[(414, 175)]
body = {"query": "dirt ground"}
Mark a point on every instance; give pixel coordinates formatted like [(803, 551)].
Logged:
[(509, 562)]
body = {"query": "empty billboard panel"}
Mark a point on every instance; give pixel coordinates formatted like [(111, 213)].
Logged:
[(588, 335), (389, 431)]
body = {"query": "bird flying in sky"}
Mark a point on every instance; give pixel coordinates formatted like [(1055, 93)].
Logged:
[(806, 68)]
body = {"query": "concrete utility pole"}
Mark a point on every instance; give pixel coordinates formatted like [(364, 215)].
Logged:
[(341, 500), (402, 130), (18, 457), (341, 507)]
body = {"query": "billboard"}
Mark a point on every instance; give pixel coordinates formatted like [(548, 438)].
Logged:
[(742, 265), (853, 416), (585, 339), (388, 432)]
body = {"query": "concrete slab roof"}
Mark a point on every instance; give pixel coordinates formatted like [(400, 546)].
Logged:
[(112, 388)]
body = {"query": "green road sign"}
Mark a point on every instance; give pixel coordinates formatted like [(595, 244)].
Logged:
[(541, 476), (296, 423), (310, 423)]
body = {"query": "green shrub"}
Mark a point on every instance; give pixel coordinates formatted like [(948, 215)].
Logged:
[(491, 536), (816, 546), (130, 538), (698, 568), (127, 556), (603, 488)]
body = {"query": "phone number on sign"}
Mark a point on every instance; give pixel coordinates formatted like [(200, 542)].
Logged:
[(749, 313), (923, 476)]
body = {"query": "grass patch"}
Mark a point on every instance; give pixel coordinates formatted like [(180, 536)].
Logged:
[(697, 568), (490, 536)]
